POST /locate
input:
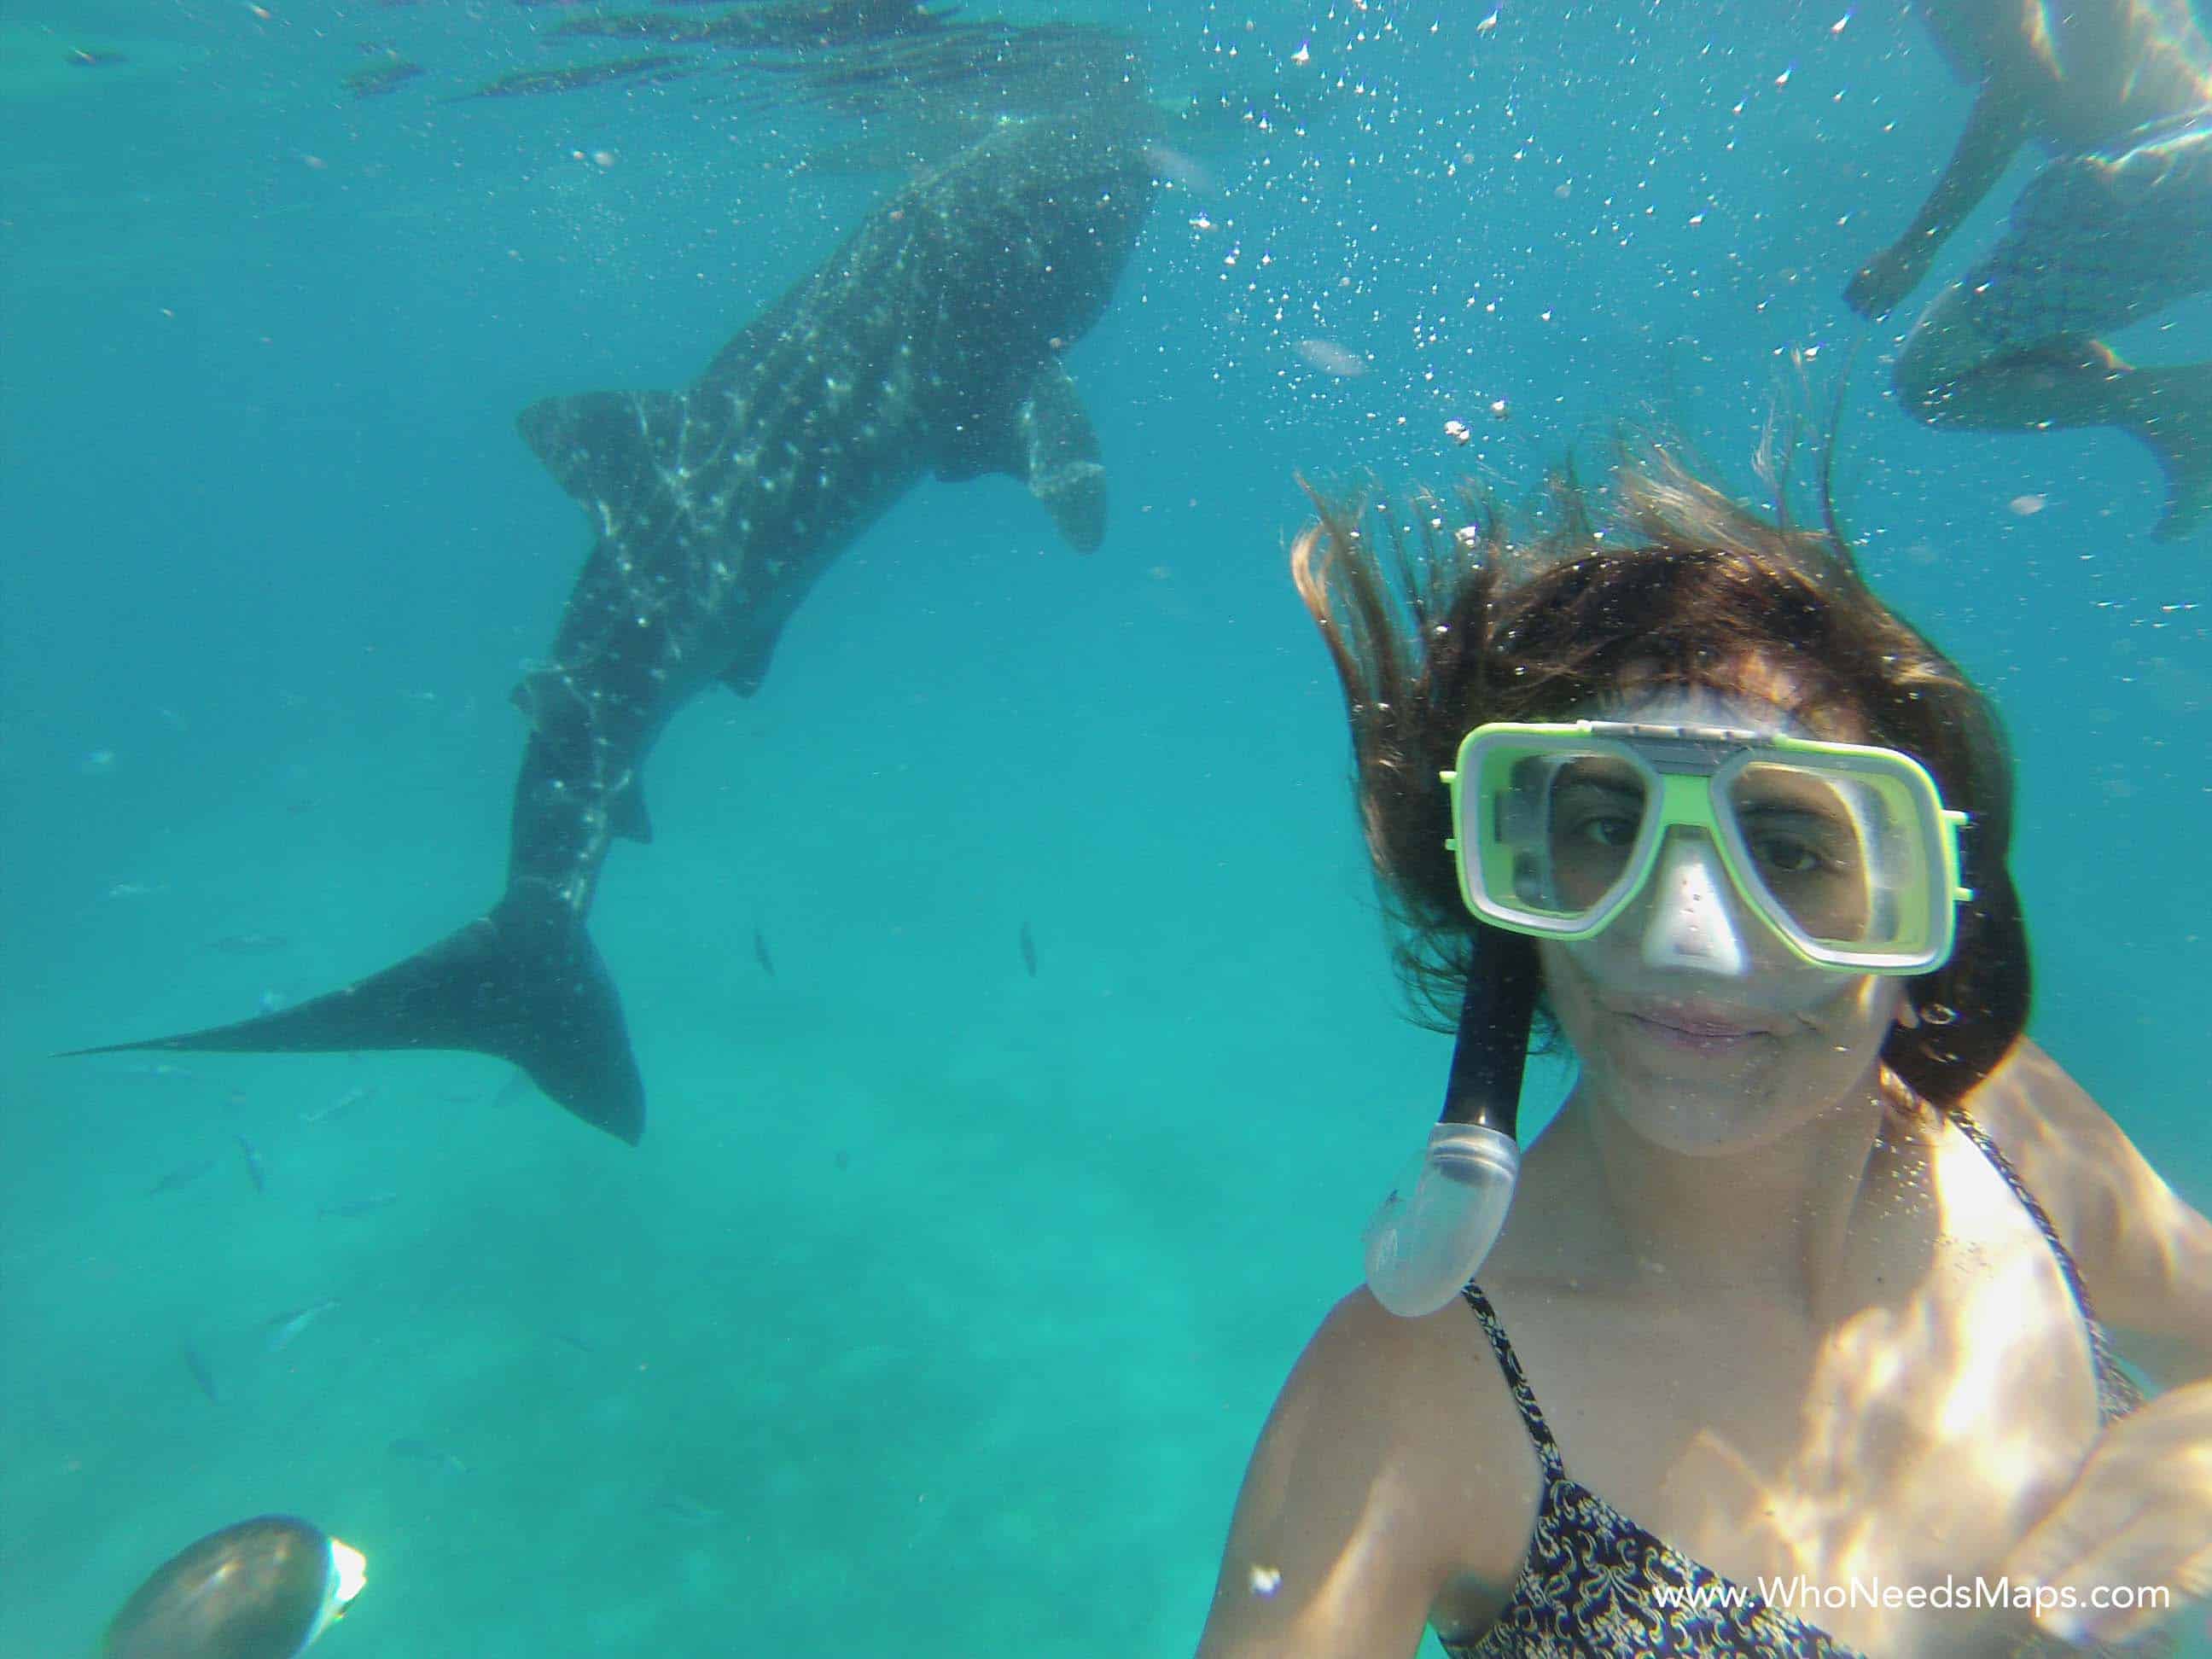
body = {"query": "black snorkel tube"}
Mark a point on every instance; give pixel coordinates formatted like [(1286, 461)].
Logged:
[(1430, 1236)]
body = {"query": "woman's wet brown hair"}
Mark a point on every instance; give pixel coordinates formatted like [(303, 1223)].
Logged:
[(1439, 621)]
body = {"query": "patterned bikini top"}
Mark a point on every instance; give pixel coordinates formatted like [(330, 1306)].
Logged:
[(1588, 1587)]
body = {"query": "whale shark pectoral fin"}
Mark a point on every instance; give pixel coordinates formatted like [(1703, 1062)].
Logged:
[(605, 448), (745, 676), (748, 664), (1044, 438), (626, 813), (541, 694), (1060, 452)]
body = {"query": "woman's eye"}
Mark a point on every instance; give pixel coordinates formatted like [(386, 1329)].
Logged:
[(1601, 831), (1790, 856)]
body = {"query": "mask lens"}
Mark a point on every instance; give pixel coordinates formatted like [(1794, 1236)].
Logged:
[(1838, 856), (1558, 833), (1596, 812)]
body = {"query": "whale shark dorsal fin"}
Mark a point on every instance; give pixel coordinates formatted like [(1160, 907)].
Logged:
[(1044, 440), (603, 447)]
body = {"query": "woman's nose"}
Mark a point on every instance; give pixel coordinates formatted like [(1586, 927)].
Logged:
[(1693, 923)]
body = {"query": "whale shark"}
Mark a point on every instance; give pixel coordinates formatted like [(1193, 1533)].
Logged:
[(929, 343)]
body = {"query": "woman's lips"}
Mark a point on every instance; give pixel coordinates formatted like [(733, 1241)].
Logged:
[(1693, 1031)]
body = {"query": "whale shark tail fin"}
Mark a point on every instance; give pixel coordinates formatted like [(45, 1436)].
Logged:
[(524, 983)]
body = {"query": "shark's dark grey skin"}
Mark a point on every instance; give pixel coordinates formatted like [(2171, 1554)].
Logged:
[(928, 344)]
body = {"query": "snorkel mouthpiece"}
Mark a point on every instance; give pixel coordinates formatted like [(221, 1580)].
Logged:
[(1430, 1236)]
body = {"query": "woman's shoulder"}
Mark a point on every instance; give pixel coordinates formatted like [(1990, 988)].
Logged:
[(1445, 1358), (1433, 1384)]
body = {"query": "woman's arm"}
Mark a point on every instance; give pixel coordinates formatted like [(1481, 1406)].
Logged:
[(1995, 132), (1361, 1503), (2145, 1255)]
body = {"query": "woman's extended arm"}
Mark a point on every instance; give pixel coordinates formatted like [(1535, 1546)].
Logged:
[(2139, 1515), (2145, 1255), (1995, 132), (1360, 1503)]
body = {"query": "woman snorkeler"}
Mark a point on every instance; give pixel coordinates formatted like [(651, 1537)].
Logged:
[(1801, 1273)]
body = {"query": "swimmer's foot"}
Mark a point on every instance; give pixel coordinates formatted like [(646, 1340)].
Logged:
[(2181, 436)]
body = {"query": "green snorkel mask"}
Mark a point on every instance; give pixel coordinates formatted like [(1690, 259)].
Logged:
[(1845, 853)]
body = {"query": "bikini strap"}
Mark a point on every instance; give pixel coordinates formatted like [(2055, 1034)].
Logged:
[(1547, 1449), (2117, 1392)]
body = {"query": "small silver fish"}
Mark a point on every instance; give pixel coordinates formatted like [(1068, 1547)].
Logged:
[(1028, 950), (183, 1175), (352, 1209), (344, 1103), (249, 945), (411, 1449), (286, 1325), (684, 1509), (202, 1373), (1330, 358), (761, 955), (253, 1169)]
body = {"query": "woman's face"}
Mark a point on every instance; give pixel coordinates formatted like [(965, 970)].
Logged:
[(1693, 1021)]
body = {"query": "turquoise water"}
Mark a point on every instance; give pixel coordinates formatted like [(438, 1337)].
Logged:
[(941, 1307)]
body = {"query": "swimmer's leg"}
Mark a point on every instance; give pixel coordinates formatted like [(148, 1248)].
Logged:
[(2096, 242), (1953, 375)]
